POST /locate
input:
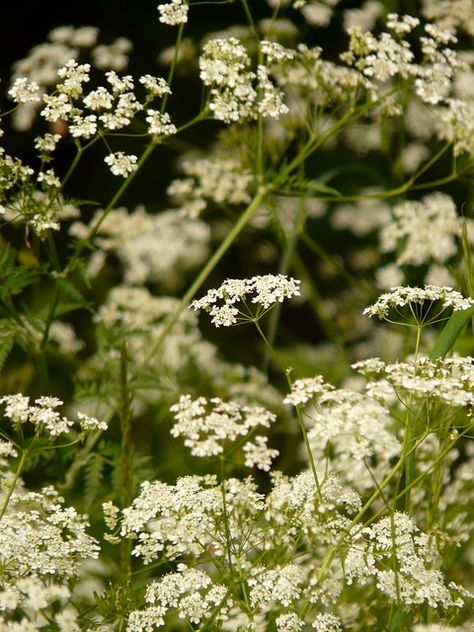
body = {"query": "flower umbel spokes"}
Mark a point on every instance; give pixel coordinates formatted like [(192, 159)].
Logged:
[(415, 306), (255, 296)]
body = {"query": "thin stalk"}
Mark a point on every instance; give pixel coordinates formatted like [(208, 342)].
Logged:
[(18, 473), (207, 269), (316, 304), (403, 188), (332, 553), (126, 478), (179, 39), (226, 517), (410, 438), (299, 415), (284, 267)]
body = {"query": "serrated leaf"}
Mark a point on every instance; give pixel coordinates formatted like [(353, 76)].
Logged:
[(299, 185), (71, 290), (7, 259), (7, 340), (14, 281), (93, 476), (319, 187), (82, 201)]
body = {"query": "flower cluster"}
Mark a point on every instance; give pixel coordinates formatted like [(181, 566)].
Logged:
[(449, 380), (190, 592), (206, 432), (224, 66), (219, 179), (426, 229), (406, 295), (42, 545), (157, 248), (174, 12), (303, 390), (416, 579), (263, 291), (44, 416), (121, 164)]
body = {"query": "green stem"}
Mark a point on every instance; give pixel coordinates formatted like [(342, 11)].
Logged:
[(179, 39), (126, 486), (208, 268), (299, 415), (284, 267), (368, 504), (226, 517), (18, 473)]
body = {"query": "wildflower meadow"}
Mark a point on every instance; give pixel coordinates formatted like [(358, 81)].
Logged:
[(236, 322)]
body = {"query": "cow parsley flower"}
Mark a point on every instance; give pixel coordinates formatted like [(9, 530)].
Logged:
[(44, 415), (281, 584), (172, 520), (417, 296), (155, 86), (47, 144), (73, 75), (450, 380), (121, 164), (159, 124), (327, 623), (25, 91), (207, 426), (289, 622), (426, 229), (174, 12), (258, 454), (305, 389), (190, 592), (263, 291), (416, 579)]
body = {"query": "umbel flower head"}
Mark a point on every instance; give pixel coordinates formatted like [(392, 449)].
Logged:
[(207, 426), (263, 291), (419, 301)]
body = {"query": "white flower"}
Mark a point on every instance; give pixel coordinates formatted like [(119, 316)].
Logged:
[(25, 91), (174, 12), (155, 86), (258, 454), (99, 99), (279, 585), (89, 424), (47, 144), (73, 75), (57, 107), (160, 124), (83, 126), (121, 164), (405, 295), (303, 390), (289, 622), (401, 24), (264, 291), (327, 623), (426, 229), (207, 426)]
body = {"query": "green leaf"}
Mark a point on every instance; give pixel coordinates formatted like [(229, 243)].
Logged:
[(94, 474), (7, 340), (299, 185), (468, 260), (450, 333), (71, 290)]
